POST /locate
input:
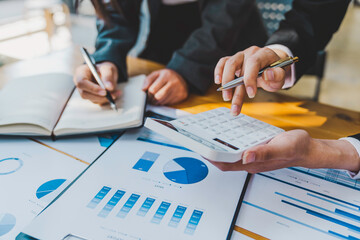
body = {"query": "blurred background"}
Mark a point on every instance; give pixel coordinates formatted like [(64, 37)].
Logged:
[(32, 28)]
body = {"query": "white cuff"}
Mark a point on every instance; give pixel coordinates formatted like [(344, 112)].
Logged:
[(290, 76), (356, 144)]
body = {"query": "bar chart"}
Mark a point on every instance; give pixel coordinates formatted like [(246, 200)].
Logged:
[(134, 204), (146, 161), (331, 175), (301, 203)]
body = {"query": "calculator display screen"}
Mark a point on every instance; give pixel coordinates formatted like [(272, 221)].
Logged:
[(225, 143)]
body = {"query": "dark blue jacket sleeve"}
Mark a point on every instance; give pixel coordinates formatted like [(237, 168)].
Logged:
[(118, 36), (308, 28)]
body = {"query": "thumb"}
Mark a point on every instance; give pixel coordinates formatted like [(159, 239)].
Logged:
[(273, 79), (262, 153)]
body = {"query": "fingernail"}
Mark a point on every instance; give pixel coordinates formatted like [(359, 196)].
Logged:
[(249, 158), (217, 79), (108, 85), (226, 96), (250, 92), (269, 75), (102, 92), (235, 110)]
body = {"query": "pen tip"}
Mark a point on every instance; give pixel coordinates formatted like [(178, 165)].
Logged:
[(219, 89)]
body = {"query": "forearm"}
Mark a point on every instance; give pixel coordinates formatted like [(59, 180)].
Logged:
[(337, 154)]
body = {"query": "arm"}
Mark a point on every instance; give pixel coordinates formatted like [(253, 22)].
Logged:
[(296, 148), (308, 28), (222, 22), (116, 38), (112, 45)]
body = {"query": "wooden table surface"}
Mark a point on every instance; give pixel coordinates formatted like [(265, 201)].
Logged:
[(320, 120)]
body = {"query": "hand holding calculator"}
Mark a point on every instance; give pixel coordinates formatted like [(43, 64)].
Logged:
[(216, 134)]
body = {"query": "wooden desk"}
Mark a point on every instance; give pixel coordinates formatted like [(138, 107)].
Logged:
[(320, 120)]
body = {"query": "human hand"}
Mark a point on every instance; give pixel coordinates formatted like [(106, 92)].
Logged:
[(165, 87), (296, 148), (90, 90), (248, 63)]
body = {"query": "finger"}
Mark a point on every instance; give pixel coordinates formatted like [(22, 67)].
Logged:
[(94, 98), (91, 87), (108, 76), (253, 65), (272, 79), (163, 93), (237, 100), (218, 72), (157, 85), (150, 79), (233, 64), (263, 153)]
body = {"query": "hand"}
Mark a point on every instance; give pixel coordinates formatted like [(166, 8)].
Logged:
[(248, 63), (296, 148), (165, 87), (90, 90)]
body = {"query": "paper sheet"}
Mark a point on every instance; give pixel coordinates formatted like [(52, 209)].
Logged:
[(302, 204), (84, 148), (144, 190), (31, 176)]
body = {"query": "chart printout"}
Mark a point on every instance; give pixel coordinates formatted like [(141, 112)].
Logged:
[(31, 176), (144, 190), (299, 203)]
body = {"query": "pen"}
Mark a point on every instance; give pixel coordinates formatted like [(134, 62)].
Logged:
[(239, 81), (91, 64)]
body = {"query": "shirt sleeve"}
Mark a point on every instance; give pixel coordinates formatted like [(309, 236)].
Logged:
[(290, 77), (356, 143)]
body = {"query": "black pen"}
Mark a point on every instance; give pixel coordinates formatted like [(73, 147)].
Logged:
[(91, 64), (239, 81)]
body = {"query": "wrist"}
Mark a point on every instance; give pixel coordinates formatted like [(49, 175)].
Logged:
[(336, 154)]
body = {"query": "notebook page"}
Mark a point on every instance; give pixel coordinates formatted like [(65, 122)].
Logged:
[(81, 116), (35, 100)]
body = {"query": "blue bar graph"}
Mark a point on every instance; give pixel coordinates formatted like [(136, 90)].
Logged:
[(342, 236), (325, 217), (99, 196), (309, 190), (146, 161), (111, 204), (177, 216), (128, 205), (160, 212), (331, 175), (193, 222), (145, 207), (347, 214)]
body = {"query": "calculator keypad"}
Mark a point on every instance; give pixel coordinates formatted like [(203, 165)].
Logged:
[(240, 131)]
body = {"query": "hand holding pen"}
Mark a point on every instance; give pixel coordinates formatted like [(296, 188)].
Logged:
[(90, 89), (254, 64)]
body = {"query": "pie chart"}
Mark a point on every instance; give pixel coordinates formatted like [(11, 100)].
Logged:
[(185, 170), (7, 223), (50, 189), (10, 165)]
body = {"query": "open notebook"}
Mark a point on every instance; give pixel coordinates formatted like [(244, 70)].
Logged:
[(46, 105)]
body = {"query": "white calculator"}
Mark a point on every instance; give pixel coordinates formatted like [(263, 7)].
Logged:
[(216, 134)]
